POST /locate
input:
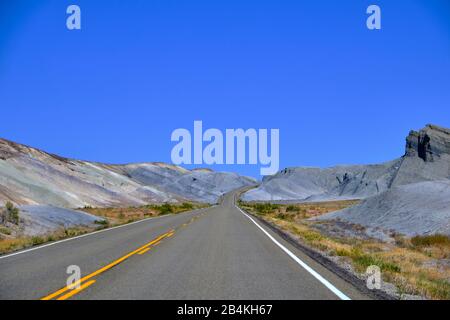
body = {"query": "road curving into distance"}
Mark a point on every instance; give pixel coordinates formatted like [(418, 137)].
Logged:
[(214, 253)]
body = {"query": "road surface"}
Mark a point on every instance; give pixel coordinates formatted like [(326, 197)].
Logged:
[(213, 253)]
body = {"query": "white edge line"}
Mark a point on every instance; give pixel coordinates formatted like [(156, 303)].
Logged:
[(324, 281), (86, 235)]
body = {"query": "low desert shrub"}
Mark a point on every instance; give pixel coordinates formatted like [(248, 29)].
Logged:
[(165, 209), (12, 213)]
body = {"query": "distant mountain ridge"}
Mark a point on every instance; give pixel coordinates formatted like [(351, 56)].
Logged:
[(427, 158), (29, 176)]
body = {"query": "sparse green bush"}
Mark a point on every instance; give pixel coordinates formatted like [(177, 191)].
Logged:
[(12, 213), (36, 240), (187, 206), (291, 208), (5, 230), (311, 236), (342, 252), (285, 216), (102, 223), (165, 209), (265, 207)]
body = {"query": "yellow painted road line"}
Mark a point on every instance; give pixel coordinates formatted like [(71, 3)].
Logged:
[(168, 235), (75, 291), (144, 251), (107, 267)]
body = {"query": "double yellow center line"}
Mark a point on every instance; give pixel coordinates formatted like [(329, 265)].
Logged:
[(80, 285)]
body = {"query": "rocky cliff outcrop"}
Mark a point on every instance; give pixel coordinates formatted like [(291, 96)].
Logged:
[(429, 144), (427, 156)]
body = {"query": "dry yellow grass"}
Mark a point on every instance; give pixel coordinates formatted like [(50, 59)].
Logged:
[(9, 244), (415, 266)]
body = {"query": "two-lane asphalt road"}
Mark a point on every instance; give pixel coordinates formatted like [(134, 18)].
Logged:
[(213, 253)]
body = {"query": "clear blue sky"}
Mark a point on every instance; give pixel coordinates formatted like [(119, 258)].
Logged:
[(114, 91)]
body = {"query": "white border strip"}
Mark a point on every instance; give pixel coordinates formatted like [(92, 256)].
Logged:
[(325, 282), (89, 234)]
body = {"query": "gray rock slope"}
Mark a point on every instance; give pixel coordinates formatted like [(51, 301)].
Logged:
[(40, 219), (427, 158), (412, 209), (201, 184), (29, 176), (315, 184)]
